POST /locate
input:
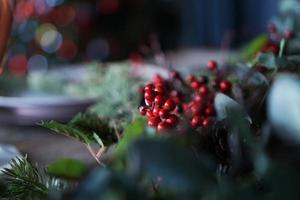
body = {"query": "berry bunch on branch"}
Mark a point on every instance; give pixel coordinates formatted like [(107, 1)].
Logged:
[(175, 102)]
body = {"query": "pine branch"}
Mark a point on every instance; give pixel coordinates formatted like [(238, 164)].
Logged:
[(83, 127), (25, 181)]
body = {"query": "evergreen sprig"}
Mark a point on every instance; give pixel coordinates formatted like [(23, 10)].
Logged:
[(26, 181), (83, 127)]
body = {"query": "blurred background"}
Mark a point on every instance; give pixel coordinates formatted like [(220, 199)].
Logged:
[(52, 32)]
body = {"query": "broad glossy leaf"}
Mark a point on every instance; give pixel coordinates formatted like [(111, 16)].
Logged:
[(244, 72), (225, 106), (67, 168), (284, 107)]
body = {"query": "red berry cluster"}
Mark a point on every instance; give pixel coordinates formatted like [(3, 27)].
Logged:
[(161, 104), (165, 104), (200, 109)]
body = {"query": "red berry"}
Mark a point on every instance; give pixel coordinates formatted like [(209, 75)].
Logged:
[(149, 113), (149, 87), (163, 126), (160, 89), (169, 105), (148, 102), (225, 86), (210, 111), (155, 111), (172, 120), (159, 100), (185, 107), (196, 108), (195, 85), (163, 113), (154, 121), (206, 123), (177, 100), (199, 99), (212, 65), (149, 95), (175, 74), (196, 121), (203, 90), (191, 78), (157, 79), (288, 34), (143, 110)]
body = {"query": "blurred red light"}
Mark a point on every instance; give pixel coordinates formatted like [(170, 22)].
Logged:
[(23, 11), (64, 15), (68, 49), (18, 65)]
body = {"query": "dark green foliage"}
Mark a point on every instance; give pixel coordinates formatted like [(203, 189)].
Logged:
[(83, 127)]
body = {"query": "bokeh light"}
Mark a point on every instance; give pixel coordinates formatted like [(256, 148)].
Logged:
[(27, 29), (68, 50), (51, 41), (17, 65), (37, 63)]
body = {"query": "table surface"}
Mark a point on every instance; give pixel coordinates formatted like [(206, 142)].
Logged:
[(43, 146)]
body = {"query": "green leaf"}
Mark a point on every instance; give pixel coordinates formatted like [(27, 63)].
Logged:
[(83, 127), (67, 168), (254, 46), (135, 130)]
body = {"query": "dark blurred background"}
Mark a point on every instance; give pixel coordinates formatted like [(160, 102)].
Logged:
[(48, 32)]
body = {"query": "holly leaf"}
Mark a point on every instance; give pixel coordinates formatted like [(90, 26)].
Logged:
[(67, 168), (83, 127)]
